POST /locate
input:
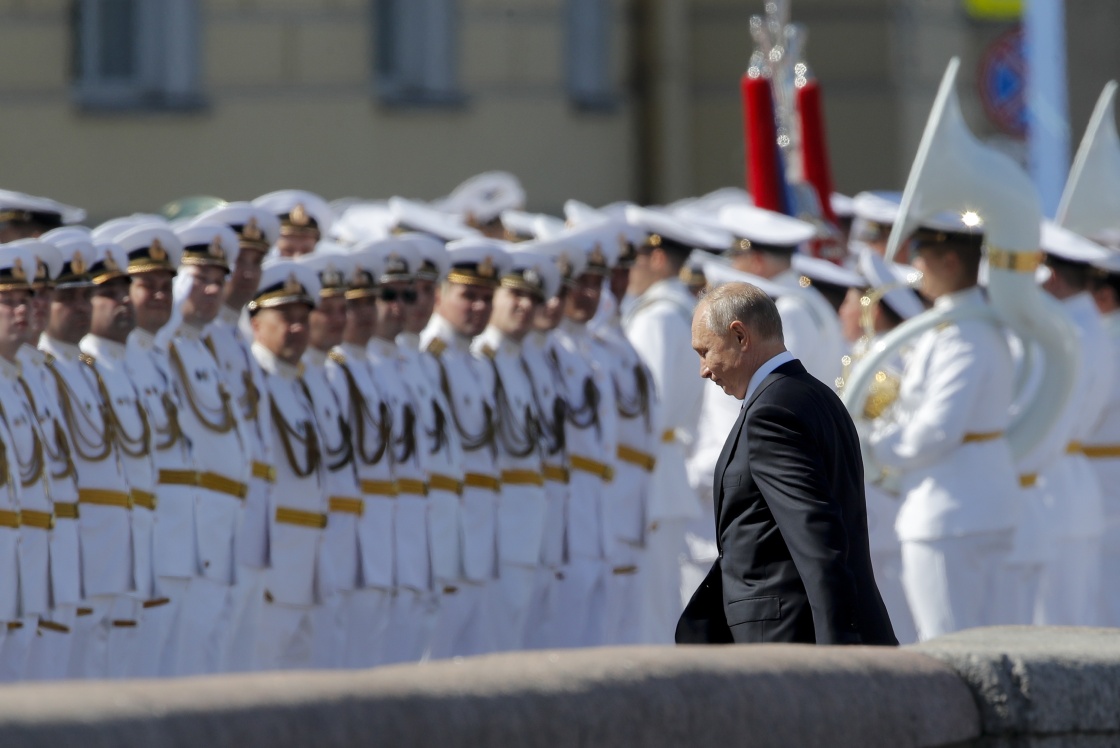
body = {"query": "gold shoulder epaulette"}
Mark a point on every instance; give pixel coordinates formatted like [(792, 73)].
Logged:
[(87, 359), (436, 347), (943, 326), (337, 356), (48, 359), (488, 351)]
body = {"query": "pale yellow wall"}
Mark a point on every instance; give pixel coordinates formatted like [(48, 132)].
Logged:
[(290, 102)]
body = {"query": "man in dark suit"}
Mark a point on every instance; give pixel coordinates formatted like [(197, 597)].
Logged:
[(791, 523)]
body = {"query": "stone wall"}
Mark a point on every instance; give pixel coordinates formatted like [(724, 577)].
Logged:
[(990, 687)]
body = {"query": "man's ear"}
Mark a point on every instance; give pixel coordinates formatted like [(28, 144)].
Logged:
[(741, 333)]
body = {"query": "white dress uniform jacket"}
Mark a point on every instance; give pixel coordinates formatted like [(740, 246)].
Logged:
[(812, 330), (1103, 450)]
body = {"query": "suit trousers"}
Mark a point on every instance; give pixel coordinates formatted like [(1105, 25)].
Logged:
[(1110, 570), (951, 583)]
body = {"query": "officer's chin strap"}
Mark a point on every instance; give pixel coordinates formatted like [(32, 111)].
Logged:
[(180, 289)]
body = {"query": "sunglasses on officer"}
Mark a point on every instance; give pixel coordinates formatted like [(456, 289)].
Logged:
[(406, 296)]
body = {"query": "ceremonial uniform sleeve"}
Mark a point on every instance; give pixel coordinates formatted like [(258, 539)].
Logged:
[(800, 332), (663, 338), (953, 373)]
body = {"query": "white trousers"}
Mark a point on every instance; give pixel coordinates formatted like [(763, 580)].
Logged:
[(887, 565), (515, 587), (203, 628), (951, 583), (1070, 588), (581, 599), (1110, 572), (662, 584), (50, 652), (156, 652), (367, 618), (284, 637)]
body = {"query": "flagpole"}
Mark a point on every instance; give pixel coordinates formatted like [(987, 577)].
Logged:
[(1044, 50)]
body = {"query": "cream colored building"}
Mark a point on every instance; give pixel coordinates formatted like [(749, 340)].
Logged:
[(123, 105)]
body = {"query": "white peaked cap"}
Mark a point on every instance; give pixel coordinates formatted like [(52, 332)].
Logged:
[(298, 209), (484, 196), (902, 300), (687, 234), (766, 227)]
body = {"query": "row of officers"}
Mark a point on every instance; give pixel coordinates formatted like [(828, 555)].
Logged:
[(218, 460)]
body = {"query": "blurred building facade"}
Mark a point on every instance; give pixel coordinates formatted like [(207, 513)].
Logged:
[(123, 105)]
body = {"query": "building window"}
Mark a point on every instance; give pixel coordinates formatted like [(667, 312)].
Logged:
[(136, 54), (417, 51), (589, 54)]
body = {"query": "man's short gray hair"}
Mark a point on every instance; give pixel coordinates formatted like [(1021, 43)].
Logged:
[(744, 303)]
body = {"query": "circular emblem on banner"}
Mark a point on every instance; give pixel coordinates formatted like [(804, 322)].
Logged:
[(1003, 83)]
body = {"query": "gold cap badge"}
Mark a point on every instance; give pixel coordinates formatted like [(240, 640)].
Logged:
[(156, 251), (298, 216), (251, 230), (17, 270), (77, 264), (486, 267)]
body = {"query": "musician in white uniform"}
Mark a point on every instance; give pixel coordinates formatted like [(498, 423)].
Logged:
[(945, 438), (297, 512), (1103, 446), (304, 218), (1073, 517)]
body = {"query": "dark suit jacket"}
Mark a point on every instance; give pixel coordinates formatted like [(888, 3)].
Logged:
[(791, 526)]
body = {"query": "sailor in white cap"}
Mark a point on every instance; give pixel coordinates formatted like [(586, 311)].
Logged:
[(24, 216), (103, 491), (462, 311), (210, 423), (257, 230), (104, 351), (766, 244), (1103, 446), (366, 412), (338, 562), (843, 207), (884, 303), (530, 279), (659, 325), (27, 513), (50, 652), (415, 606), (590, 436), (410, 215), (1070, 586), (153, 253), (481, 200), (304, 218), (438, 443), (17, 608), (874, 215), (639, 438), (944, 437), (541, 359), (280, 312)]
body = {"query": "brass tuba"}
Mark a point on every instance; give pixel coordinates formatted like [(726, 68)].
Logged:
[(954, 171)]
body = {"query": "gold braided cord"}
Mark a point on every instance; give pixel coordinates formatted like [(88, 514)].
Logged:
[(407, 440), (173, 432), (29, 471), (63, 455), (549, 430), (342, 455), (438, 434), (137, 447), (639, 404), (359, 412), (227, 420), (309, 442), (517, 443), (470, 441), (86, 449)]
